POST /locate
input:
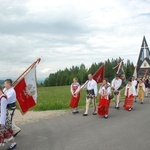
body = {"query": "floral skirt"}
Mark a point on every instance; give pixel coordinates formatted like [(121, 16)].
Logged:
[(103, 107), (128, 103), (6, 132)]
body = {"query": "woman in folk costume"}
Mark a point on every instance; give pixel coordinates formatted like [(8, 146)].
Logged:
[(6, 133), (75, 87), (104, 100), (141, 90), (129, 93)]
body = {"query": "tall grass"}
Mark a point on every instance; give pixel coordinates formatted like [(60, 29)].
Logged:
[(56, 98)]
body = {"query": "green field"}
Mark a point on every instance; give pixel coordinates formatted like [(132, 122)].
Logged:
[(56, 98)]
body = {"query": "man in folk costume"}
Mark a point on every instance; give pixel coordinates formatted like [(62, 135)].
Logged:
[(129, 93), (6, 133), (134, 83), (116, 87), (75, 87), (104, 101), (91, 94), (11, 97)]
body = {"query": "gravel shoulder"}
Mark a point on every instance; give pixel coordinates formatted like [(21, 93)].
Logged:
[(35, 116)]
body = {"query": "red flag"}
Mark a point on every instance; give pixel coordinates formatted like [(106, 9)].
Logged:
[(26, 90), (99, 74)]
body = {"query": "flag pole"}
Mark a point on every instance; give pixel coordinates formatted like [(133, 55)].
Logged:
[(93, 75), (120, 65), (30, 67)]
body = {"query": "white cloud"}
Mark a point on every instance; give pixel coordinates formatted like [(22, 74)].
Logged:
[(69, 32)]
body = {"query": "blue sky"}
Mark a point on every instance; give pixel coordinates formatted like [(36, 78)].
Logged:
[(69, 32)]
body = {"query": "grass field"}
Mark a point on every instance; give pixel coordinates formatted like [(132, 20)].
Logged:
[(56, 98)]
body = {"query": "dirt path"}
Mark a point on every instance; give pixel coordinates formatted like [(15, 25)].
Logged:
[(34, 116)]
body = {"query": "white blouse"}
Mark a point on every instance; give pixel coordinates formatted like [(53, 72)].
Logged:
[(3, 110), (105, 90), (11, 95)]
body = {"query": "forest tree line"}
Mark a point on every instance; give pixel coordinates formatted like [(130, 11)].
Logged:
[(64, 77)]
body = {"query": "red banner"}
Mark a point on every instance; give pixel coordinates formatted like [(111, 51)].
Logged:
[(99, 74)]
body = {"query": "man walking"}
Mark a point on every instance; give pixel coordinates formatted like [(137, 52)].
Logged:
[(11, 97), (116, 87), (91, 94)]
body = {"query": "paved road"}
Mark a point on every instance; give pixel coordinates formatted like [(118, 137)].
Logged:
[(122, 131)]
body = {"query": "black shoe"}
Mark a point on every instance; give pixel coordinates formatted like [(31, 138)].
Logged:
[(141, 102), (106, 117), (135, 101), (16, 133), (94, 113), (85, 114), (117, 108), (76, 112), (12, 147), (129, 109)]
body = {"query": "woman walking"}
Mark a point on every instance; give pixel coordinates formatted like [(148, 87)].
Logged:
[(104, 100), (129, 93), (141, 90), (75, 87)]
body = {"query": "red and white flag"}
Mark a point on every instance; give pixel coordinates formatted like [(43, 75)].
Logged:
[(99, 74), (26, 90)]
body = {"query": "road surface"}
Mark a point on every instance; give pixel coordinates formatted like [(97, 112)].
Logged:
[(122, 131)]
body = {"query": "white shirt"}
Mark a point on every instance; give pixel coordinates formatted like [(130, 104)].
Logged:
[(92, 85), (116, 83), (131, 90), (77, 86), (105, 91), (3, 105), (134, 83), (11, 95)]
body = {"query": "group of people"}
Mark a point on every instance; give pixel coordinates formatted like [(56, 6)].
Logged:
[(8, 130), (133, 89), (107, 91)]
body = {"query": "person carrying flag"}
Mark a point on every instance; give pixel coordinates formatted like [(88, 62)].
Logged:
[(11, 97), (116, 87), (91, 94)]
